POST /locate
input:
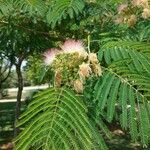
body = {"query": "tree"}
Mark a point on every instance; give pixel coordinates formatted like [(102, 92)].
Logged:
[(70, 114), (27, 30), (36, 25), (35, 69), (5, 69)]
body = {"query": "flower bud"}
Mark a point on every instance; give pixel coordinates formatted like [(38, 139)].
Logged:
[(123, 8), (93, 58), (146, 13), (132, 20), (97, 69), (119, 20), (78, 86), (84, 70), (143, 3)]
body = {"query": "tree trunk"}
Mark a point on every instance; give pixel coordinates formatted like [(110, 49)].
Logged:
[(19, 95)]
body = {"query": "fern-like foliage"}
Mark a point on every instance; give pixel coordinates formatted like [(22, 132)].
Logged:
[(138, 52), (6, 7), (115, 92), (61, 8), (26, 8), (57, 119), (32, 6), (51, 11), (124, 87)]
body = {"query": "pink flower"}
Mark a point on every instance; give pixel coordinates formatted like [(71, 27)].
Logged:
[(50, 55), (71, 46)]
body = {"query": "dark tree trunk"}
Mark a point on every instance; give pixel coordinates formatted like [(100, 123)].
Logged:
[(19, 95)]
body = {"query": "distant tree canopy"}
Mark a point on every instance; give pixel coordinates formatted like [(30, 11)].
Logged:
[(5, 69)]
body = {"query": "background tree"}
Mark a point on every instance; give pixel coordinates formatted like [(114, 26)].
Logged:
[(5, 69), (28, 29), (35, 70)]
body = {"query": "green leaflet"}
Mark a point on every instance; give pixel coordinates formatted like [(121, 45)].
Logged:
[(123, 104), (112, 100), (119, 88), (102, 126), (57, 119), (114, 51), (51, 11), (60, 10), (133, 115), (144, 122), (32, 6), (103, 90)]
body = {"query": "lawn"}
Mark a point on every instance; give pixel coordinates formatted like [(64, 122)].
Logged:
[(7, 115)]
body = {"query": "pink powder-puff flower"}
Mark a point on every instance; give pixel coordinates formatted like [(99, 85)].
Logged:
[(72, 46), (50, 55)]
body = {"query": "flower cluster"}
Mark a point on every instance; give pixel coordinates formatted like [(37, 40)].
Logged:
[(129, 13), (72, 65)]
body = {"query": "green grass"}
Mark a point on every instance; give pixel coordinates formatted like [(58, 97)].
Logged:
[(7, 118)]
